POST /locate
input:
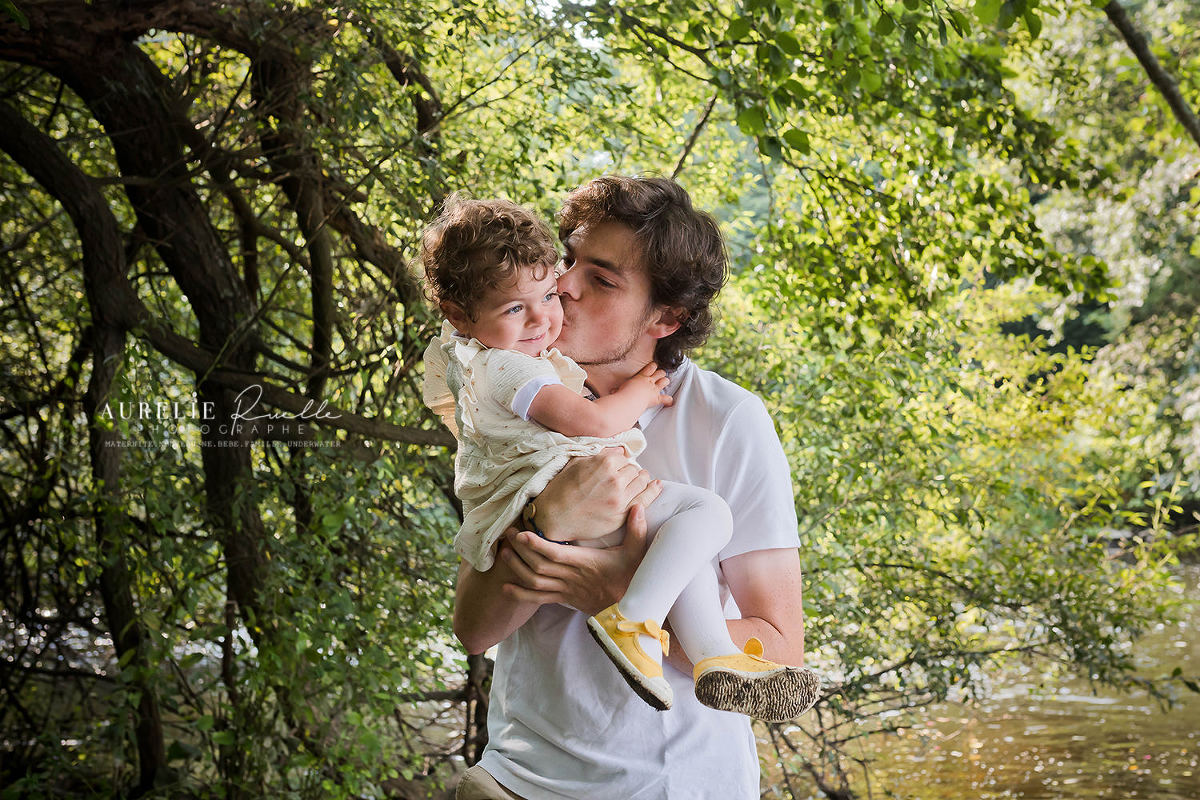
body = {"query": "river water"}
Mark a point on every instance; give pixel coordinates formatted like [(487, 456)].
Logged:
[(1045, 739)]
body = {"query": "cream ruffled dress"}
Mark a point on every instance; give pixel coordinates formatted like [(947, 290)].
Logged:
[(502, 460)]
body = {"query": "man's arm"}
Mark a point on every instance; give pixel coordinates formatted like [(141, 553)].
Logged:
[(587, 499), (766, 585), (483, 613), (588, 579)]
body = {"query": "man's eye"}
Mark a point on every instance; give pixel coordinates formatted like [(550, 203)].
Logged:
[(607, 284)]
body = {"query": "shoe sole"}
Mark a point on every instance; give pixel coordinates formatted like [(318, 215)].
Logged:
[(632, 675), (775, 696)]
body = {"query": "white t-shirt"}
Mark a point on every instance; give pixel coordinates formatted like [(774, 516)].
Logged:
[(562, 723)]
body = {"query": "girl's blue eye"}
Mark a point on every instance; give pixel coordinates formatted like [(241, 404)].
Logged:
[(514, 309), (549, 296)]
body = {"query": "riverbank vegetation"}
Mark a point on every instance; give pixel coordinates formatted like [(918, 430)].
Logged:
[(964, 239)]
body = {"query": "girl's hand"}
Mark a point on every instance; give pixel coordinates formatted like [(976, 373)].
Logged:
[(649, 384)]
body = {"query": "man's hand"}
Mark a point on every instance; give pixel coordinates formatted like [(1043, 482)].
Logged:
[(591, 495), (587, 579)]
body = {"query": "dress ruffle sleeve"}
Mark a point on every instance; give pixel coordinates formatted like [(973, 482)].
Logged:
[(435, 391)]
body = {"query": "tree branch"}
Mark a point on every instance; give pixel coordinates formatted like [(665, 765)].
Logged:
[(1165, 84), (691, 142)]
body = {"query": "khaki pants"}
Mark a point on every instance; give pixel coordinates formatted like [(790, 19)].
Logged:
[(477, 784)]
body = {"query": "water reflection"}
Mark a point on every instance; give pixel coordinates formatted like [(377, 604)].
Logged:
[(1035, 739)]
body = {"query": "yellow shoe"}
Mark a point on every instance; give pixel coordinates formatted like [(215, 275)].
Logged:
[(618, 637), (749, 684)]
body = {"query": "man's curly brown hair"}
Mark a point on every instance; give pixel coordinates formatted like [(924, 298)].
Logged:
[(477, 245), (682, 247)]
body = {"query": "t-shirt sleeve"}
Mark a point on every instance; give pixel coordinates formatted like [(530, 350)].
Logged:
[(758, 486), (514, 379)]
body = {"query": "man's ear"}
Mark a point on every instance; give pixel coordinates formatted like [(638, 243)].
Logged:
[(456, 314), (667, 322)]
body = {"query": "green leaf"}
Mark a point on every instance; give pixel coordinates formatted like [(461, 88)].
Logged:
[(205, 723), (986, 11), (1033, 22), (737, 29), (960, 23), (797, 140), (788, 43), (11, 9), (752, 121), (885, 24), (1007, 16), (225, 738), (180, 750), (771, 146), (332, 521)]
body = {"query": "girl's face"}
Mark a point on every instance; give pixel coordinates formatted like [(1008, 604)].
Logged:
[(525, 316)]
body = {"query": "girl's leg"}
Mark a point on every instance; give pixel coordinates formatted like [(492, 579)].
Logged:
[(698, 621), (727, 678), (689, 527)]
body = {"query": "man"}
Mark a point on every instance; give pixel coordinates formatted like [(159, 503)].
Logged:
[(642, 268)]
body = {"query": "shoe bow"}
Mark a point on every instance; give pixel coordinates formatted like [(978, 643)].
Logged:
[(649, 628)]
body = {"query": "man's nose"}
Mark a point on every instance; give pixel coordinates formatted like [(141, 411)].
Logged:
[(568, 284)]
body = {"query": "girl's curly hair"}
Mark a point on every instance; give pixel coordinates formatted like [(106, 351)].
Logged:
[(477, 245)]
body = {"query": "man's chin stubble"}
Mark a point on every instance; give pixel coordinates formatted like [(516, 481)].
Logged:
[(613, 356)]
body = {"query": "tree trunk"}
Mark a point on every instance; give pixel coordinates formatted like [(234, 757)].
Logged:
[(128, 95), (104, 275)]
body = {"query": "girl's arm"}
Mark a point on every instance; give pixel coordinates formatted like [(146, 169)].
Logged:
[(558, 408)]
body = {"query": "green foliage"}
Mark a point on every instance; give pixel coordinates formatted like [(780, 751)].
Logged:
[(966, 498), (897, 181)]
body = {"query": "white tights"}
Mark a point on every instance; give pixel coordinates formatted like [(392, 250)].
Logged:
[(688, 527)]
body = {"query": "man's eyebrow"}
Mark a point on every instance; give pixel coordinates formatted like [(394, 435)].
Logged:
[(603, 263), (608, 265)]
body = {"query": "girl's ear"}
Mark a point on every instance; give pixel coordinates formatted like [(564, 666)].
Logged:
[(668, 321), (456, 314)]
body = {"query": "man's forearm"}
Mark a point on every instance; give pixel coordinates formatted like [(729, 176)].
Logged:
[(776, 646), (483, 614)]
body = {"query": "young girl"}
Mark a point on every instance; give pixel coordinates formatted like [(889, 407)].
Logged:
[(517, 409)]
